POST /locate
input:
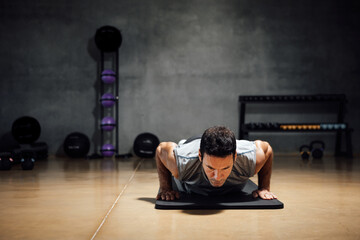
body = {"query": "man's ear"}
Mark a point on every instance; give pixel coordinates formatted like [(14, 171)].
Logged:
[(200, 156)]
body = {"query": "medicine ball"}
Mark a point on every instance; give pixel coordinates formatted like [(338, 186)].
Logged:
[(26, 130), (76, 145), (107, 150), (145, 145), (108, 38)]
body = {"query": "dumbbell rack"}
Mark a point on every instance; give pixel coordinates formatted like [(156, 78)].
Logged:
[(340, 127)]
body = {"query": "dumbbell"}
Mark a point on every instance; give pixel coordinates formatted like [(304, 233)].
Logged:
[(309, 98), (274, 126), (284, 127), (271, 126), (248, 125), (291, 98), (27, 160), (318, 98), (6, 161)]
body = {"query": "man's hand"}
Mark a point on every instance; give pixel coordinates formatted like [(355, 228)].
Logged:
[(168, 195), (264, 194), (166, 166)]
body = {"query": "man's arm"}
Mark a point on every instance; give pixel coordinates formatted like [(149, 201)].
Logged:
[(166, 166), (264, 159)]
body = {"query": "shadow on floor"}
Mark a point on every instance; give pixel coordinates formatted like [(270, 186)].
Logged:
[(190, 212), (149, 200), (202, 212)]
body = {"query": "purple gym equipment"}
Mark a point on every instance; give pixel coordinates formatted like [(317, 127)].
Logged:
[(108, 100), (107, 150), (108, 123), (108, 76)]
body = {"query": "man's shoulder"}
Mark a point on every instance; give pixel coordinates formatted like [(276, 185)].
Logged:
[(187, 159), (188, 150), (244, 146)]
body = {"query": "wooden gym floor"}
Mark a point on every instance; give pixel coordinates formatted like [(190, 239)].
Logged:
[(114, 199)]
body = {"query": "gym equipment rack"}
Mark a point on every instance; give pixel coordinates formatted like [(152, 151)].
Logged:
[(108, 39), (115, 90), (340, 127)]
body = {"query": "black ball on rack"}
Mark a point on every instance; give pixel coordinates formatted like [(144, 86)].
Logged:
[(76, 145), (108, 38)]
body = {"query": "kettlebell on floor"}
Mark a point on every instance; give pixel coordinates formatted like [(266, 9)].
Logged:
[(314, 150), (317, 149), (305, 152)]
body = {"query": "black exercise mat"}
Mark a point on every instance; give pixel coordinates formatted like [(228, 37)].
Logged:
[(242, 200)]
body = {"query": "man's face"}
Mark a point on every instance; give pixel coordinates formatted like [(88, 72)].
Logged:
[(217, 169)]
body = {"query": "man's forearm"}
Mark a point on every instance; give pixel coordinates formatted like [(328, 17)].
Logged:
[(164, 174), (264, 174)]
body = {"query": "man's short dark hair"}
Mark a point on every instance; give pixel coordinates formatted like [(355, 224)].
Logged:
[(218, 141)]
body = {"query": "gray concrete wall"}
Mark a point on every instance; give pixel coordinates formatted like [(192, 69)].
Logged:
[(182, 64)]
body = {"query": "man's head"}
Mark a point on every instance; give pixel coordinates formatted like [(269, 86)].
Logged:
[(217, 153)]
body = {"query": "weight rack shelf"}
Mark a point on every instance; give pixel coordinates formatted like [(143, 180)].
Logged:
[(293, 98), (273, 126), (339, 127)]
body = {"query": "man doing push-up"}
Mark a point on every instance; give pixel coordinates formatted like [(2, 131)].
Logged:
[(215, 164)]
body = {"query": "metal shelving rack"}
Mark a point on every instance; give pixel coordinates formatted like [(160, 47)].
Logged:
[(339, 127)]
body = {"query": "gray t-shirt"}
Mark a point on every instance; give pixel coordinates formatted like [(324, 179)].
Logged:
[(192, 178)]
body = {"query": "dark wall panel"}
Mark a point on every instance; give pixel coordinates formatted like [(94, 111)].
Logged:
[(182, 64)]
